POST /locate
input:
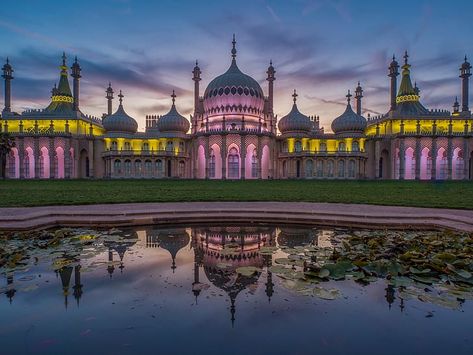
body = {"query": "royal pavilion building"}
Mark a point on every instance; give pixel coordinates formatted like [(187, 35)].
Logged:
[(234, 133)]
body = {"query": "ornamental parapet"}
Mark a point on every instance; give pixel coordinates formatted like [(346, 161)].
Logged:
[(317, 154), (143, 153)]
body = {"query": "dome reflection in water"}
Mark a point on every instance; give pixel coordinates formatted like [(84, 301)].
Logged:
[(149, 288)]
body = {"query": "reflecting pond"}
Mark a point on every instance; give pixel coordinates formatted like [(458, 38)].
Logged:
[(236, 289)]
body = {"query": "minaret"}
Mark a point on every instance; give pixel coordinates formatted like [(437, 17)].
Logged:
[(8, 76), (196, 78), (358, 96), (393, 73), (270, 80), (76, 69), (109, 98), (77, 284), (456, 106), (465, 75)]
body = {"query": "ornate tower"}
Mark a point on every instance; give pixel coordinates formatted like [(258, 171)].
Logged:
[(270, 80), (76, 69), (196, 78), (393, 73), (358, 96), (465, 75), (8, 76), (109, 98)]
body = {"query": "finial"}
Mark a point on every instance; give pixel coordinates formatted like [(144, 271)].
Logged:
[(173, 97), (270, 62), (64, 58), (8, 61), (234, 49), (406, 56), (196, 63), (466, 59), (75, 59), (348, 96), (294, 96), (394, 57), (110, 84), (120, 95)]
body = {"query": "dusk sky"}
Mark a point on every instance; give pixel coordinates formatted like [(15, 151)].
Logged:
[(321, 48)]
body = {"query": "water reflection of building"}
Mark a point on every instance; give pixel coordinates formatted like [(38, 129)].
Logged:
[(221, 250), (120, 247), (295, 236), (211, 246), (171, 240)]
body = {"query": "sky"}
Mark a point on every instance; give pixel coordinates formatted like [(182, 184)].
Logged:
[(322, 48)]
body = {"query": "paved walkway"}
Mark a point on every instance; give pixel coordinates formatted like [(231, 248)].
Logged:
[(330, 214)]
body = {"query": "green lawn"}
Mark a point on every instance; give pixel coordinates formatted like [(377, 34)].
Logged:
[(404, 193)]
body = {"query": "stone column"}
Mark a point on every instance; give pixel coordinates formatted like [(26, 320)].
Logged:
[(449, 158), (418, 158), (402, 159), (91, 158), (207, 156), (466, 158), (52, 160), (377, 156), (21, 156), (259, 159), (242, 158), (433, 173), (67, 158), (37, 154), (223, 153)]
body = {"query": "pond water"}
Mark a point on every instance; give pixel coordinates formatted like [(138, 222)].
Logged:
[(233, 289)]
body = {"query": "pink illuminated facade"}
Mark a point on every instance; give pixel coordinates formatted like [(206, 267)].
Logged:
[(234, 133)]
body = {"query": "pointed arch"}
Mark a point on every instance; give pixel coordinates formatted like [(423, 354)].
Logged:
[(265, 162), (59, 163)]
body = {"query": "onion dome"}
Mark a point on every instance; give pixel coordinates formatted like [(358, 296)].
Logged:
[(173, 121), (233, 89), (120, 121), (349, 121), (295, 120)]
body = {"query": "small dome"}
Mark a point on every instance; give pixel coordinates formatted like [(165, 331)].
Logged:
[(173, 121), (120, 121), (295, 120), (349, 121)]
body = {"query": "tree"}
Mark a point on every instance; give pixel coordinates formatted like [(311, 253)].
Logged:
[(7, 142)]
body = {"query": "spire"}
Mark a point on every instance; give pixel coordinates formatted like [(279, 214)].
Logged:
[(406, 57), (120, 97), (294, 96), (405, 89), (62, 101), (456, 106), (348, 96), (173, 96), (234, 51), (358, 96)]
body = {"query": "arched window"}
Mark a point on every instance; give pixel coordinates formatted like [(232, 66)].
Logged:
[(298, 146), (169, 146), (128, 167), (320, 168), (11, 164), (284, 147), (127, 146), (330, 168), (159, 168), (138, 167), (355, 146), (323, 147), (114, 145), (341, 147), (341, 168), (117, 167), (233, 164), (309, 167), (148, 167), (351, 169), (181, 147), (254, 165), (145, 146), (182, 169), (212, 164)]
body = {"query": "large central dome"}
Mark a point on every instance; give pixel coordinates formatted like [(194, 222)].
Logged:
[(233, 94)]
